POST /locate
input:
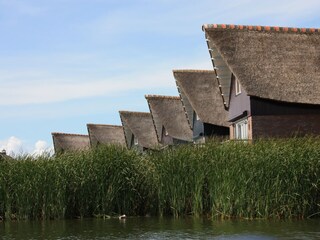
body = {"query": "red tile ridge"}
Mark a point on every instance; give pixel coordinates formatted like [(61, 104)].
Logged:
[(260, 28)]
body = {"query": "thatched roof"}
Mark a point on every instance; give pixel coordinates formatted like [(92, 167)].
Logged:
[(275, 63), (168, 112), (70, 142), (141, 126), (105, 134), (199, 91)]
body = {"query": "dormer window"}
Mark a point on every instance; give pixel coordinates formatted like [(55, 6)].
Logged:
[(197, 117), (166, 132), (238, 87)]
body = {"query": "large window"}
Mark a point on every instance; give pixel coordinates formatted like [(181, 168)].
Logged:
[(241, 129)]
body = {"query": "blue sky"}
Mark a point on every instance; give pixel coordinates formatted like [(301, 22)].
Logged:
[(65, 63)]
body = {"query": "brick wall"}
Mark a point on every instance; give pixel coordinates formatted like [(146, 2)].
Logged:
[(250, 129), (285, 125), (231, 131)]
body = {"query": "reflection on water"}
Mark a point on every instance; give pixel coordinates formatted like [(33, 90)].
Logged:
[(160, 228)]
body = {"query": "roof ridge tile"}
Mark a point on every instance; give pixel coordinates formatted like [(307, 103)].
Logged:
[(261, 28)]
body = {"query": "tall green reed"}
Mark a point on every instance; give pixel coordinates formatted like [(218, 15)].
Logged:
[(277, 178)]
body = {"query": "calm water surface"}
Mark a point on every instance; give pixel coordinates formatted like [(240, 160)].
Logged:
[(160, 228)]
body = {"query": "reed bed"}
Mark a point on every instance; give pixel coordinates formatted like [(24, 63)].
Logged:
[(267, 179)]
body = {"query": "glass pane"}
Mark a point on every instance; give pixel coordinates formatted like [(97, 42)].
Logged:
[(241, 130)]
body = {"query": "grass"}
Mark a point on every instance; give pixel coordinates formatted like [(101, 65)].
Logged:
[(267, 179)]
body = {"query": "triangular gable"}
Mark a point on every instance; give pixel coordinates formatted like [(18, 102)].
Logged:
[(105, 134), (201, 90), (167, 112), (139, 124)]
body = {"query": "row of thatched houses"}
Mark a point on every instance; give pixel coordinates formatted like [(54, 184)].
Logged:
[(265, 82)]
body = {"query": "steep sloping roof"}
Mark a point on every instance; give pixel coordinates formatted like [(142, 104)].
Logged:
[(141, 126), (168, 112), (275, 63), (70, 142), (105, 134), (199, 89)]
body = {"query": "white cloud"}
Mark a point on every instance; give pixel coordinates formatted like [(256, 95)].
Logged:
[(47, 89), (34, 92), (41, 147), (13, 146)]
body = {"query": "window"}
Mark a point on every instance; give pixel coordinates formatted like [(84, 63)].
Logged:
[(238, 87), (166, 132), (135, 140), (241, 129), (197, 117)]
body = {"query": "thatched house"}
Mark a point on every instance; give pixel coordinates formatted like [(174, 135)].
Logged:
[(4, 156), (169, 118), (105, 134), (269, 78), (202, 102), (65, 142), (139, 130)]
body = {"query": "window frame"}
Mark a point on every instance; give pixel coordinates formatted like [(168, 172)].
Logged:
[(241, 129), (237, 87)]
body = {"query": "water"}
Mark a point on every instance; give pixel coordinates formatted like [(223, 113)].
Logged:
[(160, 228)]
